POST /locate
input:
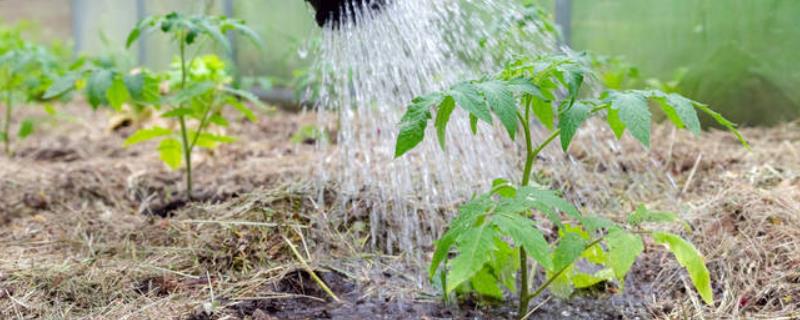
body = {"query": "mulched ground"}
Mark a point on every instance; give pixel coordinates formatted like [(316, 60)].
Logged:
[(89, 229)]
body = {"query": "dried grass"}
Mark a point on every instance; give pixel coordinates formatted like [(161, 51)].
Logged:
[(76, 246)]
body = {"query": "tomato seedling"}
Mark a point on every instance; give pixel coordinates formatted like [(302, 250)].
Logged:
[(199, 87), (26, 71), (546, 88)]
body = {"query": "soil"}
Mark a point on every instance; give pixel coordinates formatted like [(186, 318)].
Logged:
[(92, 230)]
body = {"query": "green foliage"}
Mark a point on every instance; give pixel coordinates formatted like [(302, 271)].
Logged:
[(505, 220), (26, 71)]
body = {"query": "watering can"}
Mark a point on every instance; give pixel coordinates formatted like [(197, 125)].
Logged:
[(333, 11)]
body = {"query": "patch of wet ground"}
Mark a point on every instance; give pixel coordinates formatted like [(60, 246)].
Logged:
[(297, 297)]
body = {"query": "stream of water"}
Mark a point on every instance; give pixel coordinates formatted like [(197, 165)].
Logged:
[(371, 65)]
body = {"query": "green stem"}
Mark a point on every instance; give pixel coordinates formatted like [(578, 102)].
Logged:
[(187, 151), (532, 153), (557, 274), (7, 125)]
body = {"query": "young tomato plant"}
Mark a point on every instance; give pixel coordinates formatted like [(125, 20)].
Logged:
[(26, 70), (199, 87), (546, 89)]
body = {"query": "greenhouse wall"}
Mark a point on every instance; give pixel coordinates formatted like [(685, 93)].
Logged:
[(739, 65)]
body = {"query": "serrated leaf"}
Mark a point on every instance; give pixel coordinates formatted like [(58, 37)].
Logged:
[(469, 98), (623, 249), (443, 113), (147, 134), (504, 188), (681, 112), (474, 250), (525, 234), (191, 92), (643, 215), (170, 151), (723, 122), (570, 247), (117, 93), (634, 113), (25, 128), (570, 120), (501, 101), (468, 213), (414, 122), (485, 284), (688, 256)]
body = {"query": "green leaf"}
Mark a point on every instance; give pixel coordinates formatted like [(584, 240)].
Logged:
[(414, 122), (61, 85), (243, 109), (501, 101), (117, 93), (504, 188), (443, 113), (688, 256), (468, 213), (570, 120), (147, 134), (474, 250), (247, 95), (615, 123), (543, 110), (595, 223), (485, 284), (178, 112), (97, 86), (634, 113), (215, 33), (137, 30), (525, 234), (681, 112), (541, 198), (623, 249), (584, 280), (562, 286), (143, 87), (473, 124), (191, 92), (570, 247), (643, 215), (723, 122), (171, 152), (210, 141), (25, 129), (468, 97)]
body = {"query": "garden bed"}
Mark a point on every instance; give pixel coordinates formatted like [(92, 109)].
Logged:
[(90, 229)]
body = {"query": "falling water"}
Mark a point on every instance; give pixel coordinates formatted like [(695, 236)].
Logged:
[(371, 65)]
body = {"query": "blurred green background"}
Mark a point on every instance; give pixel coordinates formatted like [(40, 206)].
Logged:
[(739, 53)]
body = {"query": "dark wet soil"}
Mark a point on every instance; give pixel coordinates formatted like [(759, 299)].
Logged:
[(302, 299)]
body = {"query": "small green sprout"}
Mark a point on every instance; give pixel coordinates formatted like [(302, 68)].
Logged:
[(198, 87)]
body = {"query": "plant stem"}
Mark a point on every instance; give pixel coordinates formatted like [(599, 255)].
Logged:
[(7, 125), (557, 274), (187, 151), (532, 154)]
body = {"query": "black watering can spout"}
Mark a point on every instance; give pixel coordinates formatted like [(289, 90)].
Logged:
[(335, 11)]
